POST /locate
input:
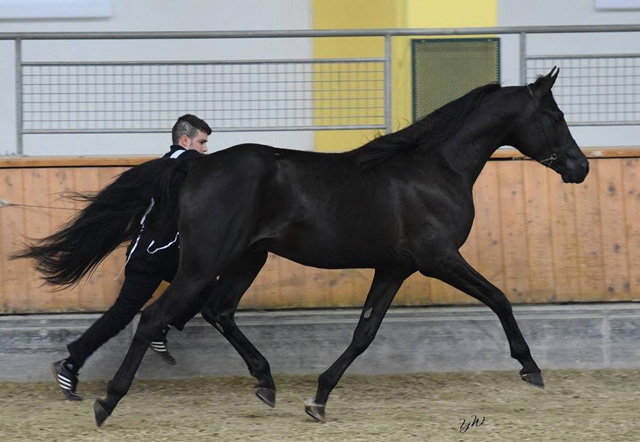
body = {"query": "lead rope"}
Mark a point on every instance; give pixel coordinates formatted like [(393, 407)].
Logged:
[(551, 159), (5, 203)]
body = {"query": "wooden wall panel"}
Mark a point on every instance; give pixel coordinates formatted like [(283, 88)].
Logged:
[(37, 224), (14, 273), (537, 234), (488, 227), (513, 225), (362, 279), (91, 293), (416, 290), (614, 241), (536, 238), (316, 287), (21, 290), (590, 257), (631, 179), (564, 239), (292, 283), (263, 292), (60, 180)]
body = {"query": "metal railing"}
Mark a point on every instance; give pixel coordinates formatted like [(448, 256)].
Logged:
[(595, 90), (115, 97), (284, 94)]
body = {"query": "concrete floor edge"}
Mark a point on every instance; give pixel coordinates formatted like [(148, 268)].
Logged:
[(410, 340)]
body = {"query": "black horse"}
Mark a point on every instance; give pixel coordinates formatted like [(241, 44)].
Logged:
[(399, 204)]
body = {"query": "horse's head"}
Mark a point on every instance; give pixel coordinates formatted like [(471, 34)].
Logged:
[(542, 133)]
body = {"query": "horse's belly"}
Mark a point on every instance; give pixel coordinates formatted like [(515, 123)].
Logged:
[(340, 254)]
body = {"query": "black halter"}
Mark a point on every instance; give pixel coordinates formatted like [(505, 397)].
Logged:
[(553, 156)]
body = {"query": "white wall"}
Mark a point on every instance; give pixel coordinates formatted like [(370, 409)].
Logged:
[(161, 16), (565, 13), (561, 13)]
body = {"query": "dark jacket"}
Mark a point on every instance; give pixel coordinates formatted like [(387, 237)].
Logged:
[(157, 245), (181, 152)]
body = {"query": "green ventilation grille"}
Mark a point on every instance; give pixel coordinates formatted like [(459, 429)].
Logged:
[(445, 69)]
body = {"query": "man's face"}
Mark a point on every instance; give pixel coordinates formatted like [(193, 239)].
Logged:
[(199, 142)]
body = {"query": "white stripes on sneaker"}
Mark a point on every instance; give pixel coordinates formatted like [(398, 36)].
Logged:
[(64, 382), (159, 346)]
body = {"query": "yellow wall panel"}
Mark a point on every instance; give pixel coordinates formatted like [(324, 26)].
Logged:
[(451, 14), (356, 14), (377, 14)]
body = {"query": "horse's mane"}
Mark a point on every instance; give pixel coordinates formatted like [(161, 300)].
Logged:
[(429, 131)]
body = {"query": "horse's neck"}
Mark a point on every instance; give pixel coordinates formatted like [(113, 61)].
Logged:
[(468, 151)]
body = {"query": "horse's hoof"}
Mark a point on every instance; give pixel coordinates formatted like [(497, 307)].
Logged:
[(100, 412), (534, 379), (316, 411), (267, 395)]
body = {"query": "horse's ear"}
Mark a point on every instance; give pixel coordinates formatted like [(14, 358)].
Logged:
[(546, 83), (552, 76)]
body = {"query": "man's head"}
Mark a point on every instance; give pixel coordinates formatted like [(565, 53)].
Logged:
[(191, 132)]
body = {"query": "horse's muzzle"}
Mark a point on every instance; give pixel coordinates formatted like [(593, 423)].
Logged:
[(574, 170)]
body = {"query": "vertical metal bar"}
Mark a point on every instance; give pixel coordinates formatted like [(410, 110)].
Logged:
[(523, 58), (19, 116), (387, 83)]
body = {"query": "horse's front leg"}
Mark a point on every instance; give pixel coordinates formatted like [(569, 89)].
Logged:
[(220, 310), (178, 299), (384, 287), (455, 271)]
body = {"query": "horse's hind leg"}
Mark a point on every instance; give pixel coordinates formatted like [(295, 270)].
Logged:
[(220, 310), (384, 287), (459, 274), (174, 302)]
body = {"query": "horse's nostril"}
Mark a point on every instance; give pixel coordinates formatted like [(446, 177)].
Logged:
[(585, 165)]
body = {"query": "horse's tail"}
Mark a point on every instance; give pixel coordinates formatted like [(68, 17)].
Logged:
[(111, 217)]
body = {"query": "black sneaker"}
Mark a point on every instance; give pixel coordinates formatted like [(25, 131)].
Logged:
[(67, 381), (159, 346)]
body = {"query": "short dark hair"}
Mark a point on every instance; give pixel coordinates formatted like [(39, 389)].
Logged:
[(188, 125)]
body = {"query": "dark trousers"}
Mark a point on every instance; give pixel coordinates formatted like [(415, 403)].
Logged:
[(142, 278)]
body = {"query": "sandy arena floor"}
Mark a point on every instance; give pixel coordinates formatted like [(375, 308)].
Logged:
[(583, 406)]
